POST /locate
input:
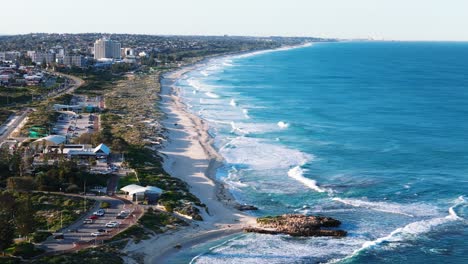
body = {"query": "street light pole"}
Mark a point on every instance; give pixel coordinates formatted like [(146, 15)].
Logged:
[(84, 195)]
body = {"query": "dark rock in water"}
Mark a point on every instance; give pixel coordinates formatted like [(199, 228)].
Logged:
[(298, 225), (245, 207)]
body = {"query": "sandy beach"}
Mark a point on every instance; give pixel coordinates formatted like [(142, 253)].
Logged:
[(189, 155)]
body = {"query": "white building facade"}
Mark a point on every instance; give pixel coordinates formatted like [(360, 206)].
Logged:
[(107, 49)]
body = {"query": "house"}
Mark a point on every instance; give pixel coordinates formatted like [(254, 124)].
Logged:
[(102, 151)]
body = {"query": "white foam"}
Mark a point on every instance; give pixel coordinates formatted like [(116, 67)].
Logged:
[(237, 130), (297, 173), (246, 113), (212, 95), (255, 53), (233, 179), (204, 73), (194, 83), (282, 124), (251, 128), (233, 103), (410, 210), (260, 154), (411, 230), (278, 249)]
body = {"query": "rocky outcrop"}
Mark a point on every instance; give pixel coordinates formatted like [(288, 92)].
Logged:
[(245, 207), (298, 225)]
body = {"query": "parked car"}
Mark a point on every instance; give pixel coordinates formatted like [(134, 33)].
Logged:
[(59, 236), (93, 217), (98, 233), (88, 221), (113, 224), (100, 212), (123, 214)]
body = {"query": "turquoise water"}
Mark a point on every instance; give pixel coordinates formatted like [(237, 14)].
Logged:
[(372, 133)]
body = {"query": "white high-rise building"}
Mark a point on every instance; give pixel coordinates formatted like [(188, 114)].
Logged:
[(106, 49)]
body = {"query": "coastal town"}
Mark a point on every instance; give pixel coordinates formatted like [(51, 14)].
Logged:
[(85, 121)]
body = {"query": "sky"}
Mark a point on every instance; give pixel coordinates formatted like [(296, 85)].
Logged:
[(346, 19)]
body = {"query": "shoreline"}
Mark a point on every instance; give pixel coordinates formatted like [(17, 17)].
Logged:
[(189, 155)]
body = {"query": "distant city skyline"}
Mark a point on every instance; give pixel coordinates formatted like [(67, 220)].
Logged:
[(357, 19)]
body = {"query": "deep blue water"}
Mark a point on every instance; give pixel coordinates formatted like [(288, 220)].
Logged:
[(372, 133)]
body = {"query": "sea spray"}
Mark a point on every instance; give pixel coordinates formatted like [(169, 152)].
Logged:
[(283, 125), (297, 173), (233, 103)]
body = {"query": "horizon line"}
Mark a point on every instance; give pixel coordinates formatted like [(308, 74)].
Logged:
[(247, 36)]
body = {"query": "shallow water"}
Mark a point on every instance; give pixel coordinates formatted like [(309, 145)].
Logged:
[(374, 134)]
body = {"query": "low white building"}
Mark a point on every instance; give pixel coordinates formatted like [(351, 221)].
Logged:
[(140, 193)]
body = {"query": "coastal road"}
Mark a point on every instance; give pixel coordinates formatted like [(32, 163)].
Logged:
[(11, 127), (71, 87), (77, 82)]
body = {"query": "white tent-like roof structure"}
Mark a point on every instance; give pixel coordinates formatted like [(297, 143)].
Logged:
[(52, 140), (137, 189), (152, 189)]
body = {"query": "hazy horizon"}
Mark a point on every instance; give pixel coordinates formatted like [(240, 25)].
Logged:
[(417, 20)]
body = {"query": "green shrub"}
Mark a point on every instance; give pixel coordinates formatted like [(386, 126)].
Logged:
[(39, 237), (73, 188), (26, 250), (105, 205), (68, 202), (43, 199)]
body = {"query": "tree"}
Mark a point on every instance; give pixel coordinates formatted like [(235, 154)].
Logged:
[(44, 63), (24, 218), (21, 184), (7, 232), (62, 146), (119, 144)]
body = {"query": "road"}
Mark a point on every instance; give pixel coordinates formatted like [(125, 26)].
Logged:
[(82, 238), (77, 82), (14, 125)]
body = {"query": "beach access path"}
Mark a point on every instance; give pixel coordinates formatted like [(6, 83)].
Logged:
[(189, 155)]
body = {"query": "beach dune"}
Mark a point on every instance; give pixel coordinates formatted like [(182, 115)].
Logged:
[(189, 155)]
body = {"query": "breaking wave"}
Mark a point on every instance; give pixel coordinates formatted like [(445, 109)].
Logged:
[(411, 230), (212, 95), (393, 208), (297, 173)]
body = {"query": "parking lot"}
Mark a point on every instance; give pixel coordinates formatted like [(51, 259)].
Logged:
[(74, 125), (81, 234)]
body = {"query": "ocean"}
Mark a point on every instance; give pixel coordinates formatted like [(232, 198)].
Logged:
[(374, 134)]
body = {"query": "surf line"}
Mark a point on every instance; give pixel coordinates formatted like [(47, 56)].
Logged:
[(411, 229)]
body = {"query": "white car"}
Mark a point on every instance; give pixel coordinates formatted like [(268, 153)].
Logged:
[(99, 212), (96, 234), (112, 224)]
